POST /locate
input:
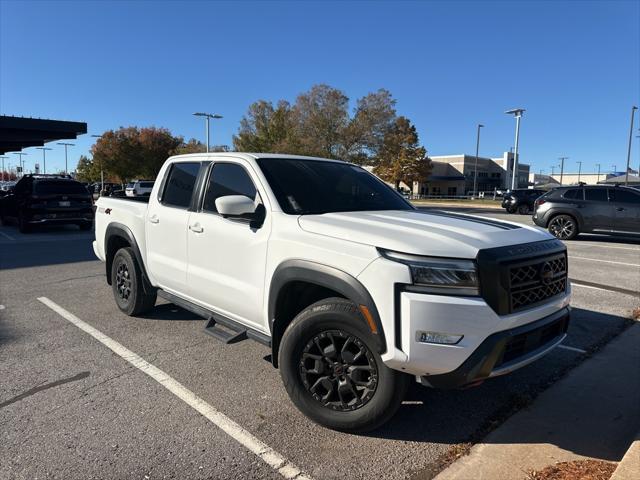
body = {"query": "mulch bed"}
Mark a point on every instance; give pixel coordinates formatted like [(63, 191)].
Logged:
[(576, 470)]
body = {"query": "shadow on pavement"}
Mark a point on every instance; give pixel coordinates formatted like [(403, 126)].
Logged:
[(169, 311), (38, 254), (461, 416)]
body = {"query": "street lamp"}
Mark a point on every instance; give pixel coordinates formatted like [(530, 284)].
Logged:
[(598, 165), (579, 171), (562, 159), (101, 171), (517, 112), (44, 158), (207, 116), (20, 161), (626, 178), (3, 157), (66, 170), (475, 172)]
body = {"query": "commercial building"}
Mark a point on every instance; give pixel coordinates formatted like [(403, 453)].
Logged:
[(572, 178)]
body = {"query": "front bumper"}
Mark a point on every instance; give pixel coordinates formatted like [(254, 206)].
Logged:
[(506, 351)]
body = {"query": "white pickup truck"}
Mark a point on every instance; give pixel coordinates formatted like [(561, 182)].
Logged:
[(354, 290)]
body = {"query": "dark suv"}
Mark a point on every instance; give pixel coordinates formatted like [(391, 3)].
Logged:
[(567, 211), (47, 199), (521, 200)]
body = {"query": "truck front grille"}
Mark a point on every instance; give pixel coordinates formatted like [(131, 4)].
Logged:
[(536, 281)]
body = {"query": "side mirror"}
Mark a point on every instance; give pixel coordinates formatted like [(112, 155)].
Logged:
[(240, 206)]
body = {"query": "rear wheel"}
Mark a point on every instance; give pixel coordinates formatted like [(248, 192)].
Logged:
[(563, 227), (333, 372), (23, 224), (133, 295), (511, 209), (85, 225), (523, 209)]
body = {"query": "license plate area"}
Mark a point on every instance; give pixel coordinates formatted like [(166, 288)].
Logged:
[(64, 203)]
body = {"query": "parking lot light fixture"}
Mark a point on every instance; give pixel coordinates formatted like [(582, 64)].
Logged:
[(626, 178), (517, 112), (44, 158), (66, 169), (3, 157), (207, 116), (475, 172), (579, 171), (20, 161), (598, 165)]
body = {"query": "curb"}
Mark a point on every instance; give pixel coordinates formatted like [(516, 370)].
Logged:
[(629, 466)]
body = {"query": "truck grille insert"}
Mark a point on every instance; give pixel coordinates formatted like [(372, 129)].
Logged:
[(536, 281)]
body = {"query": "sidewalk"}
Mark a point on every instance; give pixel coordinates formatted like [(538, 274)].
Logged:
[(594, 412)]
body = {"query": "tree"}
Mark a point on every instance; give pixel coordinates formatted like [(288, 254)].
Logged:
[(401, 158), (133, 152), (192, 146), (87, 170), (266, 129)]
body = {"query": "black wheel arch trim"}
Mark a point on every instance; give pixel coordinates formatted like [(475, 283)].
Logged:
[(328, 277), (554, 212), (119, 230)]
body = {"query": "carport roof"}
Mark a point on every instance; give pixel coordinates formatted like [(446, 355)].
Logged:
[(17, 133)]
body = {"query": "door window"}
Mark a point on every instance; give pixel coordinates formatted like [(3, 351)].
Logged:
[(573, 193), (625, 196), (596, 194), (227, 179), (180, 183)]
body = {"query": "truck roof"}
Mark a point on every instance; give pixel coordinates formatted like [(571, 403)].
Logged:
[(252, 156)]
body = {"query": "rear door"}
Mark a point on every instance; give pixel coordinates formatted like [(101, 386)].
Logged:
[(597, 211), (166, 226), (626, 205)]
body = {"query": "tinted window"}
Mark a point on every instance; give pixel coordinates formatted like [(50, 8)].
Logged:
[(180, 183), (596, 194), (314, 187), (146, 184), (59, 187), (625, 196), (227, 179), (574, 193)]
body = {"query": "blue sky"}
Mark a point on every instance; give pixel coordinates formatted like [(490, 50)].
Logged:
[(575, 67)]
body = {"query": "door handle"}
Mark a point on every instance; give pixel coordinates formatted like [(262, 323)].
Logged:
[(154, 219), (197, 228)]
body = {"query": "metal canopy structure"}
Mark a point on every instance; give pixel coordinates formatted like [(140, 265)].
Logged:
[(17, 133)]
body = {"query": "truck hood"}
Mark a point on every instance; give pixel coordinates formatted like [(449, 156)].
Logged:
[(436, 233)]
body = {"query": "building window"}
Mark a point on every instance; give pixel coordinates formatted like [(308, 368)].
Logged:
[(452, 191), (435, 190)]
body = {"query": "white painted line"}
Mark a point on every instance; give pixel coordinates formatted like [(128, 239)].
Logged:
[(7, 236), (231, 428), (1, 307), (574, 284), (601, 245), (605, 261), (573, 349)]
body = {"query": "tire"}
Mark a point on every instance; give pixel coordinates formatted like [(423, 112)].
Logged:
[(23, 225), (85, 225), (511, 209), (523, 209), (128, 285), (563, 227), (327, 326)]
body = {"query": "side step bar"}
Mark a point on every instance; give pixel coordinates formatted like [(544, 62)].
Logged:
[(237, 331)]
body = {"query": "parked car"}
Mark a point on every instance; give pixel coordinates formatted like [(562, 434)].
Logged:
[(354, 290), (521, 200), (139, 188), (568, 211), (47, 199)]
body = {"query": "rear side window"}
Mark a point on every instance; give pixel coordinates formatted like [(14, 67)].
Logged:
[(625, 196), (227, 179), (573, 194), (146, 184), (596, 194), (59, 187), (180, 183)]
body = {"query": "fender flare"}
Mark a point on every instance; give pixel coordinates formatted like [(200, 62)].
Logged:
[(328, 277), (119, 230)]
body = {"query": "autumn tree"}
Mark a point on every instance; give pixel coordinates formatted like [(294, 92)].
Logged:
[(266, 129), (401, 158), (87, 170)]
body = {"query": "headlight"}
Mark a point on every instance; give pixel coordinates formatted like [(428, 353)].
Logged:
[(447, 276)]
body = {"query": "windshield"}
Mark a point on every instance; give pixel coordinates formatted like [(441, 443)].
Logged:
[(314, 187), (60, 187)]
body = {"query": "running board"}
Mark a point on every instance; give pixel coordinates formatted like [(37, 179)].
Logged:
[(225, 335), (238, 331)]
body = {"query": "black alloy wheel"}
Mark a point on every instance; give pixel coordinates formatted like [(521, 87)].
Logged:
[(338, 370), (563, 227), (123, 280), (523, 209)]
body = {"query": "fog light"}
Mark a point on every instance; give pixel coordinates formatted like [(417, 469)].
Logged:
[(436, 337)]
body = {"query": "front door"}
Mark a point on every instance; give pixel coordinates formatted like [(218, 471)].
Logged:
[(227, 257), (597, 210), (166, 227), (627, 210)]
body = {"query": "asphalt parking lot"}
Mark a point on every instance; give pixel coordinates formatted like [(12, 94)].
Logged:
[(71, 408)]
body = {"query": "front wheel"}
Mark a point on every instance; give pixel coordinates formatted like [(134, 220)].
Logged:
[(523, 209), (333, 372), (563, 227), (132, 295), (511, 209)]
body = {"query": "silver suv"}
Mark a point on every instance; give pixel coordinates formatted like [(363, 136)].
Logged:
[(567, 211)]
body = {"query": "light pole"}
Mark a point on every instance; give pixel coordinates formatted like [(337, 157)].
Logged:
[(626, 178), (598, 165), (20, 161), (562, 159), (44, 158), (579, 171), (517, 112), (66, 170), (101, 170), (3, 157), (475, 172), (207, 116)]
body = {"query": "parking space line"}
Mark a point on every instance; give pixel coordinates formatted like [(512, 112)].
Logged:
[(607, 246), (5, 235), (606, 261), (267, 454), (606, 288), (573, 349)]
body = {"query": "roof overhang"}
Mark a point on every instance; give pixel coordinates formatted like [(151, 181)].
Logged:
[(17, 133)]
